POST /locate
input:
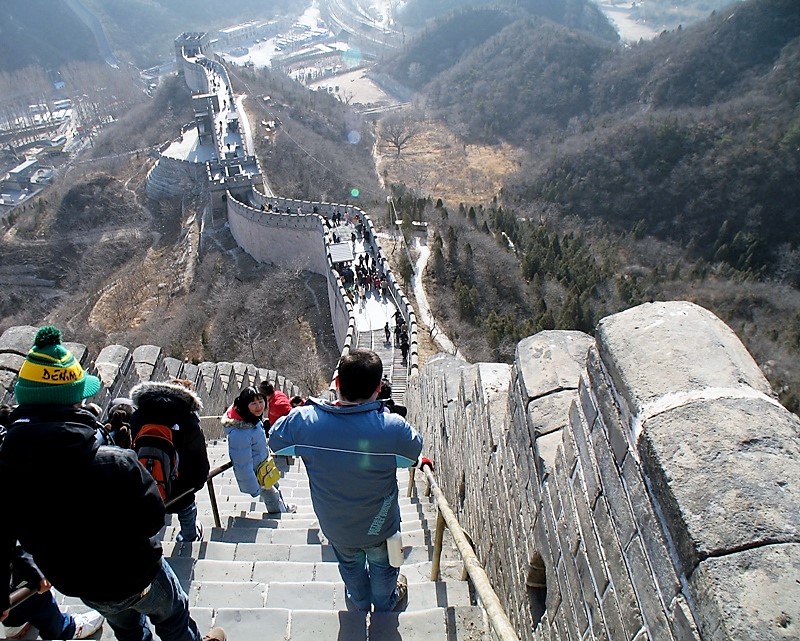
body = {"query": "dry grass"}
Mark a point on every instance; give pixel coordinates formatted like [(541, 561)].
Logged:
[(438, 163)]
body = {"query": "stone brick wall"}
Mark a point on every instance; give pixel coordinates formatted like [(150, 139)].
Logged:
[(650, 471), (120, 368)]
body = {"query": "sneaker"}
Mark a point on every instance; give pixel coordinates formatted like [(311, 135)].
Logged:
[(402, 593), (198, 535), (16, 632), (87, 624), (215, 634)]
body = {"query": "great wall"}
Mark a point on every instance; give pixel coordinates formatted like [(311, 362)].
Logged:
[(643, 483)]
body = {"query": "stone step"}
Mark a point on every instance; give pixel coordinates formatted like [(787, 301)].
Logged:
[(258, 545), (453, 623), (266, 577), (306, 595), (237, 504), (457, 623)]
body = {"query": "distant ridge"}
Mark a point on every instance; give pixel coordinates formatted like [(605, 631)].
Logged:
[(43, 33)]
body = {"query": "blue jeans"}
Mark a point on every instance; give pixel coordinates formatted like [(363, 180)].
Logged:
[(368, 577), (42, 612), (187, 517), (164, 602)]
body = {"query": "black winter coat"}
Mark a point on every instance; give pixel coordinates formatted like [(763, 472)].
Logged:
[(87, 514), (174, 405)]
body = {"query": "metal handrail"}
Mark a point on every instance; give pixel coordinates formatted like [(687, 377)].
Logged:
[(21, 594), (446, 517), (210, 484)]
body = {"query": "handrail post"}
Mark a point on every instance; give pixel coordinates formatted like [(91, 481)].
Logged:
[(438, 540), (411, 475), (213, 498)]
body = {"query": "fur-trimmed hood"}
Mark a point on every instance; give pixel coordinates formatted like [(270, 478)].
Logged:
[(232, 420), (156, 393)]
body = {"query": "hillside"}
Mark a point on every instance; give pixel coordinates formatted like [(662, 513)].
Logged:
[(692, 138), (583, 15), (545, 81), (96, 257), (42, 33), (450, 37), (50, 35), (666, 170)]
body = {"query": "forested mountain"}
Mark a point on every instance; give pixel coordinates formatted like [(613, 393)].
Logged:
[(527, 80), (451, 39), (42, 33), (576, 14), (665, 170), (712, 61), (692, 137)]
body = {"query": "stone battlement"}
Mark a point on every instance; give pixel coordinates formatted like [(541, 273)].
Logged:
[(643, 484), (120, 368)]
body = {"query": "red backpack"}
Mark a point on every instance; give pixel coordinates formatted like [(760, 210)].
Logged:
[(156, 452)]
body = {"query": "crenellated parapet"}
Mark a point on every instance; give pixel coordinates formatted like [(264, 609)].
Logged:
[(642, 484), (120, 368)]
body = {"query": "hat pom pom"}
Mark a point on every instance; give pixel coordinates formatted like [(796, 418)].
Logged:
[(47, 336)]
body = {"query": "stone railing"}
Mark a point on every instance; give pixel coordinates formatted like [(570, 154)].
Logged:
[(120, 368), (643, 484)]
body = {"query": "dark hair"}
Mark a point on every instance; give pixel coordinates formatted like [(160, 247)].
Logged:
[(360, 374), (247, 396), (118, 417), (297, 401), (386, 389), (118, 426), (266, 388)]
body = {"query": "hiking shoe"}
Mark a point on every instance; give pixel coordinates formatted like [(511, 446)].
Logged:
[(402, 593), (16, 632), (87, 624), (198, 535), (215, 634)]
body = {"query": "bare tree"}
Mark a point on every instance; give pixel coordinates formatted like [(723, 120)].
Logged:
[(398, 132), (249, 339)]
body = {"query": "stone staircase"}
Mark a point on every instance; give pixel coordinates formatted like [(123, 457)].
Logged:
[(394, 368), (264, 578)]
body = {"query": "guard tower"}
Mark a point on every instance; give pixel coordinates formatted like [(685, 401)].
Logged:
[(191, 44)]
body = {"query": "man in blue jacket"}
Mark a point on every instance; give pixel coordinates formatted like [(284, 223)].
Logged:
[(351, 450)]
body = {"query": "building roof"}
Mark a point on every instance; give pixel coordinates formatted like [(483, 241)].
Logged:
[(341, 252)]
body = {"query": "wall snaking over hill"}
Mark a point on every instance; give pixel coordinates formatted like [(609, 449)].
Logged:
[(303, 240), (640, 485)]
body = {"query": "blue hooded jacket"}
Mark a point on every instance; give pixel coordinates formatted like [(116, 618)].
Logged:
[(351, 454), (247, 447)]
